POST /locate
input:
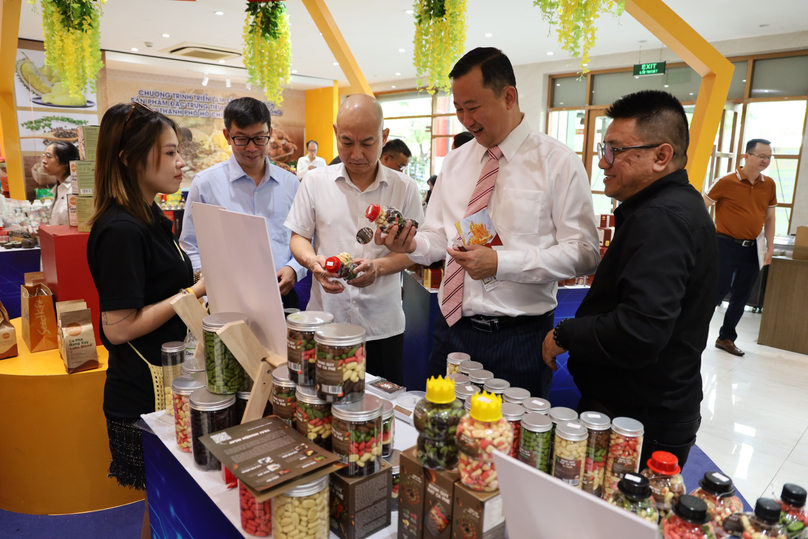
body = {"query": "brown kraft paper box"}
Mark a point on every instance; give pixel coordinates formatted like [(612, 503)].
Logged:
[(361, 506), (38, 315), (411, 493), (76, 336), (8, 335), (477, 515)]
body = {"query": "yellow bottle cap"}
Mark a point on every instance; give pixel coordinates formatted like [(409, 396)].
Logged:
[(440, 390), (486, 407)]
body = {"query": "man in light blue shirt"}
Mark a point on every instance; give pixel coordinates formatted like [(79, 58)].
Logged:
[(248, 183)]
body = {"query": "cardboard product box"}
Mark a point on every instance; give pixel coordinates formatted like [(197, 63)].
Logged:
[(72, 211), (412, 489), (477, 515), (433, 278), (88, 141), (85, 206), (8, 336), (361, 506), (438, 503), (606, 220), (82, 173), (801, 244), (603, 252), (76, 337), (605, 236)]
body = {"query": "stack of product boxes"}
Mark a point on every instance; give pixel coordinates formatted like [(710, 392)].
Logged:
[(83, 175), (605, 235)]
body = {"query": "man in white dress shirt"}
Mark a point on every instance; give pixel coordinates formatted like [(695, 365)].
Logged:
[(310, 161), (330, 207), (542, 209)]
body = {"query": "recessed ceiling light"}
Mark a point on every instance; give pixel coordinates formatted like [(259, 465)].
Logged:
[(550, 53), (218, 12), (558, 84), (743, 80), (401, 50), (166, 35), (336, 63), (584, 65), (489, 35), (561, 103), (294, 71), (409, 11), (691, 93), (398, 74), (134, 49), (227, 82), (393, 86), (221, 61), (665, 85), (205, 80)]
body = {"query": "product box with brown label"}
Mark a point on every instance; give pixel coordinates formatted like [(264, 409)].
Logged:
[(76, 336), (477, 515), (88, 141), (82, 174), (605, 236), (361, 506), (606, 220), (438, 503), (425, 500), (8, 335), (84, 211)]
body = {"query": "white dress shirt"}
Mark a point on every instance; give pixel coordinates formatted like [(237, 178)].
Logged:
[(331, 209), (542, 209), (304, 163), (59, 210)]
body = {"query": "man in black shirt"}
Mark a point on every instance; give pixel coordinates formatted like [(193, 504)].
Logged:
[(635, 343)]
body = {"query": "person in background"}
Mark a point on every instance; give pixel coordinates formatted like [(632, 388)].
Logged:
[(249, 183), (461, 138), (138, 269), (396, 155), (56, 162), (335, 161), (330, 207), (537, 194), (310, 161), (744, 205), (431, 185), (636, 341)]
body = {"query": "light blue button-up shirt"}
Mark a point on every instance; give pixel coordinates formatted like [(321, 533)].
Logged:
[(227, 185)]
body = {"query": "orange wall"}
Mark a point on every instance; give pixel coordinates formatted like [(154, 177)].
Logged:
[(321, 113)]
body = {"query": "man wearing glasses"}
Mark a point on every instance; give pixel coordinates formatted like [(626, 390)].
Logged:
[(635, 343), (248, 183), (744, 205), (396, 155)]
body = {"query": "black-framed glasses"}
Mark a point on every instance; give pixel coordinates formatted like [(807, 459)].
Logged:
[(242, 140), (607, 151), (135, 105), (762, 156)]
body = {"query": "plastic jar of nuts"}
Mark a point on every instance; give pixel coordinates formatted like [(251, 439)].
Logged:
[(393, 461), (283, 398), (302, 511), (534, 446), (689, 519), (340, 375), (792, 510), (357, 435), (313, 417), (665, 480), (480, 432), (762, 524), (514, 414), (560, 414), (459, 379), (256, 517), (625, 446), (597, 445), (386, 217), (209, 413), (182, 387), (516, 395), (467, 366), (480, 377), (342, 265), (388, 428), (718, 492), (497, 386), (226, 376), (569, 450), (453, 361), (436, 418), (300, 346), (173, 356), (464, 391), (535, 404), (634, 495)]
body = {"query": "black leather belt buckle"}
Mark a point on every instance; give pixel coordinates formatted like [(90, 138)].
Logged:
[(482, 323)]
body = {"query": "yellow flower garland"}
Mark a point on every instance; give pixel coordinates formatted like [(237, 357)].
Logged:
[(440, 40), (268, 59)]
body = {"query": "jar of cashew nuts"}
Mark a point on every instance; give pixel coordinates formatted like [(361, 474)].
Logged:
[(357, 435), (597, 445), (302, 358), (302, 512), (182, 387), (569, 451), (453, 362), (340, 375), (479, 433), (283, 398), (313, 417), (625, 446), (559, 414)]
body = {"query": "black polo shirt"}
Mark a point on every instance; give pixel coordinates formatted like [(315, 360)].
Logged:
[(135, 265), (637, 338)]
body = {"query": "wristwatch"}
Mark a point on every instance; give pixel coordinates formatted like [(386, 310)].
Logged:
[(555, 335)]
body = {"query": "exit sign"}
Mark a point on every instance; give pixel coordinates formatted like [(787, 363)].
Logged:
[(655, 68)]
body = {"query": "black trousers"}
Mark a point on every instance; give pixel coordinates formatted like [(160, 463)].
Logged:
[(738, 269), (291, 300), (385, 358), (513, 353)]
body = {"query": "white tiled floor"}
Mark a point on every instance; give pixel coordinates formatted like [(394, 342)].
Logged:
[(755, 411)]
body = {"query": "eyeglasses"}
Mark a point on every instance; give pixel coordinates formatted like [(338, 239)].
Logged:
[(135, 105), (240, 140), (761, 156), (46, 155), (607, 151)]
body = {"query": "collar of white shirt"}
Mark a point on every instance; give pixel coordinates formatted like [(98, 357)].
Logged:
[(381, 176), (511, 144), (235, 172)]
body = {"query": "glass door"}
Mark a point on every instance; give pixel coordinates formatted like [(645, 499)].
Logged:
[(598, 123)]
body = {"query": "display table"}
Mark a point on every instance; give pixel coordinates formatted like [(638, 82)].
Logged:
[(54, 451), (783, 323)]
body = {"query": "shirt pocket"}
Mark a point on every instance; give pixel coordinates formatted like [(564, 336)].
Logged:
[(519, 211)]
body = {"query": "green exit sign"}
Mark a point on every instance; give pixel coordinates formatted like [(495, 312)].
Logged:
[(655, 68)]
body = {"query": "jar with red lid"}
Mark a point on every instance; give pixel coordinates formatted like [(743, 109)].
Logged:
[(718, 492), (342, 265), (597, 445), (792, 510), (256, 517), (689, 519), (386, 217), (625, 446), (667, 484), (514, 413)]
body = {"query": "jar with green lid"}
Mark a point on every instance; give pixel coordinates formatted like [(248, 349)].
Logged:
[(181, 388), (357, 435), (497, 386), (516, 395), (453, 361), (300, 346), (536, 404), (302, 511), (625, 446), (569, 452), (388, 428), (481, 431), (514, 414), (464, 391), (634, 495), (226, 376), (340, 375), (210, 413), (480, 377), (283, 398), (597, 446), (173, 356), (436, 418), (467, 366), (534, 446), (313, 417)]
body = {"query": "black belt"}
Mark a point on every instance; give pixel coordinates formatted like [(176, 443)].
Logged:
[(745, 243), (491, 324)]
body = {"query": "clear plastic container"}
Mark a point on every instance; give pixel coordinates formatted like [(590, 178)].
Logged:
[(665, 479), (195, 366), (459, 379), (342, 265), (480, 377), (625, 446), (181, 388), (386, 217), (597, 445), (303, 511), (340, 375), (792, 510), (480, 432), (689, 520), (283, 398), (453, 362), (388, 428), (516, 395), (242, 397), (300, 345), (464, 391), (256, 517), (514, 414), (536, 404), (559, 414), (313, 417), (173, 356), (534, 446), (436, 418), (569, 451), (497, 386), (226, 376), (634, 495), (467, 366), (763, 523), (718, 492), (357, 435), (210, 413), (393, 461)]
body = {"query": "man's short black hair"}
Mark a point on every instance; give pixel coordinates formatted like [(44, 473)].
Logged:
[(755, 141), (496, 68), (660, 118), (462, 138), (396, 146), (309, 142), (246, 111)]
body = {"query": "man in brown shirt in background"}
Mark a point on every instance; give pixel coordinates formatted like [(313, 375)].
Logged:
[(744, 205)]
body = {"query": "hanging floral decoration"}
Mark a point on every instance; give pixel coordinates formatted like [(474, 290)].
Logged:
[(576, 23), (268, 47), (440, 40), (72, 32)]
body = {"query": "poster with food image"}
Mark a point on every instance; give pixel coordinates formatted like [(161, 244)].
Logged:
[(38, 85)]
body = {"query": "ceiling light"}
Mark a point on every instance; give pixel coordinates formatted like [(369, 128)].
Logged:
[(558, 84), (584, 65), (561, 103), (691, 93), (205, 80), (218, 12), (550, 53), (401, 50), (294, 71), (134, 49), (393, 86), (227, 82), (166, 35), (221, 61), (743, 80), (489, 35), (249, 85), (665, 85), (336, 63), (398, 74), (409, 11)]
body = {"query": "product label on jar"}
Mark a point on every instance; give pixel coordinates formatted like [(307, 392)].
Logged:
[(329, 376), (468, 445), (567, 470), (294, 354), (341, 444)]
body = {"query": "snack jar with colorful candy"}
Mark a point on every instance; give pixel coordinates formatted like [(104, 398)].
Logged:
[(625, 446), (357, 435), (534, 447), (497, 386), (634, 495), (386, 217), (436, 418), (718, 492), (182, 387), (666, 482), (313, 417), (688, 520), (283, 398), (764, 523), (558, 414), (515, 395), (480, 432), (340, 375), (569, 450), (597, 445), (388, 428), (342, 265), (792, 510), (302, 358), (256, 517), (514, 414)]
